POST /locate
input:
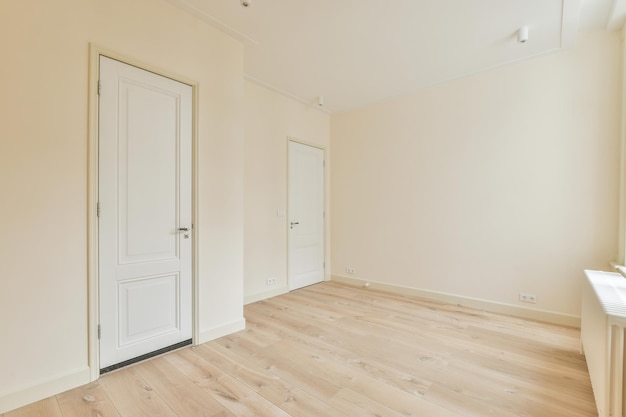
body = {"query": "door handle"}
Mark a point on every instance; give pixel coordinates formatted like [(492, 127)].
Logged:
[(185, 230), (292, 224)]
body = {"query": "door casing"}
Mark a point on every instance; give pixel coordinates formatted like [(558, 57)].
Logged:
[(92, 196), (325, 224)]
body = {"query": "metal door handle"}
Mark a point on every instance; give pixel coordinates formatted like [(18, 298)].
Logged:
[(292, 223), (183, 229)]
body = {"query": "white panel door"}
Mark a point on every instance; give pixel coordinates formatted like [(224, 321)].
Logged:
[(145, 284), (306, 215)]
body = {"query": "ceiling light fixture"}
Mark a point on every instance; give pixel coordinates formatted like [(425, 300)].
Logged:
[(245, 3), (522, 34)]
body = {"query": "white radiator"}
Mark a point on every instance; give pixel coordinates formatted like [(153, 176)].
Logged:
[(603, 320)]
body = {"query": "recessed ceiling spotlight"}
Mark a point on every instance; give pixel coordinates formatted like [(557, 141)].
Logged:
[(522, 34), (245, 3)]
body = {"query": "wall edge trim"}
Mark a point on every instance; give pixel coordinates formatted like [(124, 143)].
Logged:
[(264, 295), (552, 317), (221, 330), (44, 389)]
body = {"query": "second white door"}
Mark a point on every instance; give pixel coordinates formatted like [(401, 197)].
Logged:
[(144, 223), (306, 215)]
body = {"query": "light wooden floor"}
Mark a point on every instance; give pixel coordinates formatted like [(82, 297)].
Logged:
[(336, 351)]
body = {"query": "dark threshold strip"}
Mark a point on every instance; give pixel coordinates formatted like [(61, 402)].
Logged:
[(144, 357)]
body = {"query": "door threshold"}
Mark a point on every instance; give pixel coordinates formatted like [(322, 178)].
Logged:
[(145, 356)]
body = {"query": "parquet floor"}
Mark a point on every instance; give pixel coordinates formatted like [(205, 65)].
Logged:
[(336, 351)]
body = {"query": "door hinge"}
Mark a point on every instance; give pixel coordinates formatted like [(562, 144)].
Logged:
[(99, 86), (98, 209), (324, 163), (99, 332)]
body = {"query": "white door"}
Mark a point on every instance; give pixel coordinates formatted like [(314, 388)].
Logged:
[(306, 215), (145, 284)]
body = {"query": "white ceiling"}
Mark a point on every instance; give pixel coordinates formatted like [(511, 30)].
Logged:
[(357, 52)]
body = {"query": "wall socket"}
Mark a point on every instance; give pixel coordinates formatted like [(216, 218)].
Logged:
[(270, 281), (527, 298), (350, 270)]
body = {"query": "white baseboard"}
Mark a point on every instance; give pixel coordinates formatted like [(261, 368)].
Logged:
[(491, 306), (253, 298), (44, 389), (223, 330)]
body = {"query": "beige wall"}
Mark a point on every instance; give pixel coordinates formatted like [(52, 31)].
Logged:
[(43, 174), (270, 119), (486, 186)]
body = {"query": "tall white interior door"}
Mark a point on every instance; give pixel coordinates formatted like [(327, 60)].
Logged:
[(144, 221), (306, 215)]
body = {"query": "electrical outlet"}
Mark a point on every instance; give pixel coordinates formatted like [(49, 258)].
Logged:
[(270, 281), (350, 270), (527, 298)]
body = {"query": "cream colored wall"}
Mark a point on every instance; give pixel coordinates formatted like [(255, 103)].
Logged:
[(43, 180), (270, 119), (488, 186)]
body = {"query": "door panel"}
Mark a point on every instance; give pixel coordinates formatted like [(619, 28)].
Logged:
[(147, 185), (150, 305), (145, 283), (306, 215)]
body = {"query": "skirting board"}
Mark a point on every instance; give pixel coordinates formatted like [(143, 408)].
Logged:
[(219, 331), (44, 389), (486, 305), (57, 385), (253, 298)]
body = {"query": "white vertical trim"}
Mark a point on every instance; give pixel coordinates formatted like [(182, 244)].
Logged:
[(570, 16), (617, 15), (195, 302), (92, 221), (621, 244), (616, 367)]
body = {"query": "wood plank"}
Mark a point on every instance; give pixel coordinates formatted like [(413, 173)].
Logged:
[(44, 408), (352, 355), (180, 393), (287, 396), (234, 395), (283, 368), (133, 396), (511, 395), (88, 400), (375, 389), (355, 404), (361, 343)]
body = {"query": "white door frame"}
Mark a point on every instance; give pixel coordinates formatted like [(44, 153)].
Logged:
[(326, 263), (92, 198)]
